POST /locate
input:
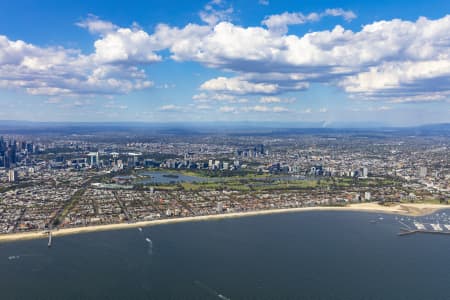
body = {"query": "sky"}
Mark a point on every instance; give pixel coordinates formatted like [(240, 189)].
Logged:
[(344, 61)]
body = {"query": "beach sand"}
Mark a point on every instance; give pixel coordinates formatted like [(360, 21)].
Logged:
[(400, 209)]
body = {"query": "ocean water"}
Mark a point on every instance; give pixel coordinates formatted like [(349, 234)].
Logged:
[(308, 255)]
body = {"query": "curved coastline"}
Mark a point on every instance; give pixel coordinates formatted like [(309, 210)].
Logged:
[(398, 209)]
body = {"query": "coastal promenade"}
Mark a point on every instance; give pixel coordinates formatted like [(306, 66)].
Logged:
[(399, 209)]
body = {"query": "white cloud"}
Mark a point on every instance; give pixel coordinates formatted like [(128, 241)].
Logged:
[(54, 100), (207, 97), (384, 60), (279, 23), (270, 99), (203, 107), (215, 12), (166, 86), (263, 2), (237, 86), (97, 26), (279, 109), (260, 108), (394, 60), (348, 15), (323, 110), (115, 105), (170, 108), (57, 71), (306, 111), (125, 45), (265, 109), (228, 109), (274, 99)]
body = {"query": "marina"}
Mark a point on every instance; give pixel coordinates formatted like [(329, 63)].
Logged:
[(432, 224)]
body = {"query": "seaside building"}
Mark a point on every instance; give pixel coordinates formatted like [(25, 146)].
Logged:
[(219, 207)]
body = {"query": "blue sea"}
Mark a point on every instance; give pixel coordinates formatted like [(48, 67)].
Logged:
[(307, 255)]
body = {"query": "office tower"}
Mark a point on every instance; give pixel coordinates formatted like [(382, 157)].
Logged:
[(12, 175), (365, 172), (422, 172)]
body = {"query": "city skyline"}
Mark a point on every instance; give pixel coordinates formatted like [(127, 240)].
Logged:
[(231, 61)]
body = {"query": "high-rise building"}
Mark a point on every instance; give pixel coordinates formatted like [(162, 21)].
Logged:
[(30, 147), (93, 159), (12, 175), (365, 172), (422, 172), (119, 164)]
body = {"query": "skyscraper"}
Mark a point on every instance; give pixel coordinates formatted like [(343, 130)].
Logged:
[(422, 172)]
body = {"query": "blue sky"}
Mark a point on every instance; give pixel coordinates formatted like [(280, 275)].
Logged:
[(253, 60)]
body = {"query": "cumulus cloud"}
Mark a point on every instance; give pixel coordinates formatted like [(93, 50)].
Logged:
[(238, 86), (306, 111), (279, 23), (126, 46), (384, 60), (56, 71), (203, 107), (96, 25), (253, 109), (393, 60), (266, 109), (204, 97), (348, 15), (115, 105), (170, 108), (228, 109), (215, 11), (274, 99)]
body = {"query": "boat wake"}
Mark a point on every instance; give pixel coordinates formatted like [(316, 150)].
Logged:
[(150, 246), (210, 290)]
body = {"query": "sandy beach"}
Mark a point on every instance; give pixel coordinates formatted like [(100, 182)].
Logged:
[(400, 209)]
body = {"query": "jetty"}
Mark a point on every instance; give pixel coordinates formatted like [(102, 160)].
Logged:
[(408, 232), (49, 238)]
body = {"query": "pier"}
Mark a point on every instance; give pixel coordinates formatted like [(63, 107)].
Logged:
[(49, 238), (408, 232)]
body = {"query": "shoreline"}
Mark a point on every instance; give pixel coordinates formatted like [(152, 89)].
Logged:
[(398, 209)]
